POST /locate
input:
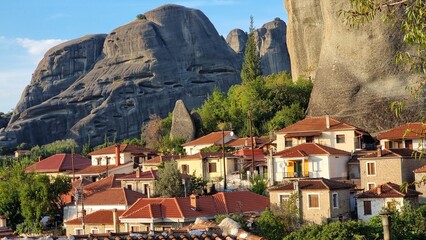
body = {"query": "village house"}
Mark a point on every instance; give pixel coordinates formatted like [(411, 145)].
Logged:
[(389, 165), (144, 182), (153, 163), (325, 131), (101, 221), (309, 160), (209, 165), (211, 139), (410, 136), (115, 159), (159, 214), (60, 164), (420, 178), (317, 199), (387, 195)]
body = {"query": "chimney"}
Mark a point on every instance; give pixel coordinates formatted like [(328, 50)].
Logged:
[(379, 190), (138, 172), (327, 121), (115, 220), (195, 202), (117, 155), (379, 150)]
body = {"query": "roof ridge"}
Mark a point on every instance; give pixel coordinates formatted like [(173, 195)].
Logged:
[(178, 207), (321, 147)]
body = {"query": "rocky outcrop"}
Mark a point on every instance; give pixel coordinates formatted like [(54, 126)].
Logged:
[(182, 124), (353, 70), (143, 68), (271, 44)]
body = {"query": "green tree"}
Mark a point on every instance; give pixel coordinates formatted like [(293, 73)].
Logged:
[(285, 117), (251, 66), (197, 184), (270, 226), (169, 182), (259, 184)]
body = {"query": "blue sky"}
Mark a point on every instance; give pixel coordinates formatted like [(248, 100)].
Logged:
[(28, 28)]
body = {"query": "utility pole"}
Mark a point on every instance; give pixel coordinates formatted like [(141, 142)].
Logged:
[(72, 162), (223, 157), (252, 143)]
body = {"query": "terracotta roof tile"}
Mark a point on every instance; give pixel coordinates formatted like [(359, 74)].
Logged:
[(203, 155), (98, 217), (315, 124), (124, 148), (99, 169), (103, 184), (314, 184), (114, 196), (308, 149), (421, 169), (247, 154), (245, 142), (60, 163), (388, 190), (211, 138), (209, 205), (159, 159), (393, 152), (407, 131)]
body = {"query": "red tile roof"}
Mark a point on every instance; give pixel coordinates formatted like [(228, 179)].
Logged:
[(247, 154), (159, 159), (147, 175), (407, 131), (316, 124), (114, 196), (203, 155), (314, 184), (420, 170), (124, 148), (211, 138), (98, 217), (209, 205), (308, 149), (245, 142), (60, 163), (389, 190), (103, 184), (393, 152)]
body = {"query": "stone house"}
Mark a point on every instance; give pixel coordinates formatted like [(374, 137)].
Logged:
[(388, 195), (309, 160), (420, 177), (410, 136), (388, 165), (326, 131), (319, 199)]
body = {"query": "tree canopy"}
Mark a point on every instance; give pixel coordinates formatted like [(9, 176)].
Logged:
[(169, 182)]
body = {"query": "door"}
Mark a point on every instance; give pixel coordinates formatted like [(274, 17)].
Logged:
[(298, 169), (409, 144)]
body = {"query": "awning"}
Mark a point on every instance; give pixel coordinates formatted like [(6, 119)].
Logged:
[(303, 134)]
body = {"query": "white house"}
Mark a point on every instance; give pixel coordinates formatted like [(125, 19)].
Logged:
[(410, 135), (388, 195), (214, 138), (309, 160), (325, 131)]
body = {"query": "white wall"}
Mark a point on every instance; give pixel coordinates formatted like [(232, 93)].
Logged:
[(376, 205), (124, 158), (318, 166), (338, 166)]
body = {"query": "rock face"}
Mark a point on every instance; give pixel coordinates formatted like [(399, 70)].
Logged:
[(355, 77), (271, 44), (109, 85), (182, 124)]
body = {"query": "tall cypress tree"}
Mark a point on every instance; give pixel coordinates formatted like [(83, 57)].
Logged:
[(251, 66), (169, 182)]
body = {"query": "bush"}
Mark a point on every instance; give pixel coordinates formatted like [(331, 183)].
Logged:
[(141, 17)]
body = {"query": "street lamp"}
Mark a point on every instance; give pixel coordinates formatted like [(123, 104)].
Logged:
[(223, 158)]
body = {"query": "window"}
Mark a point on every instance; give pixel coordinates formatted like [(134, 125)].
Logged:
[(283, 198), (288, 142), (392, 205), (310, 139), (371, 168), (335, 200), (94, 231), (340, 138), (134, 228), (371, 185), (313, 200), (78, 231), (129, 186), (109, 230), (367, 207), (185, 169), (212, 167)]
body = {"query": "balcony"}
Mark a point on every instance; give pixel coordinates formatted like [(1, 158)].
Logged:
[(298, 174)]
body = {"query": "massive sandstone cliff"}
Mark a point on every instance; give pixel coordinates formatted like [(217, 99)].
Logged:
[(354, 73), (109, 84), (271, 44)]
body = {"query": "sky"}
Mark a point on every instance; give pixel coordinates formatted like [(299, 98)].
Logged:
[(28, 28)]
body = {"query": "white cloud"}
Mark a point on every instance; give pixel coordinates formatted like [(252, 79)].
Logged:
[(38, 47)]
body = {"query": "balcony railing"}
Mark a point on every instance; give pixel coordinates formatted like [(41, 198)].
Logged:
[(296, 174)]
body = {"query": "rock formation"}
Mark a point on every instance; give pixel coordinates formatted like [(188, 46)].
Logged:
[(109, 85), (271, 43), (182, 124), (353, 70)]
